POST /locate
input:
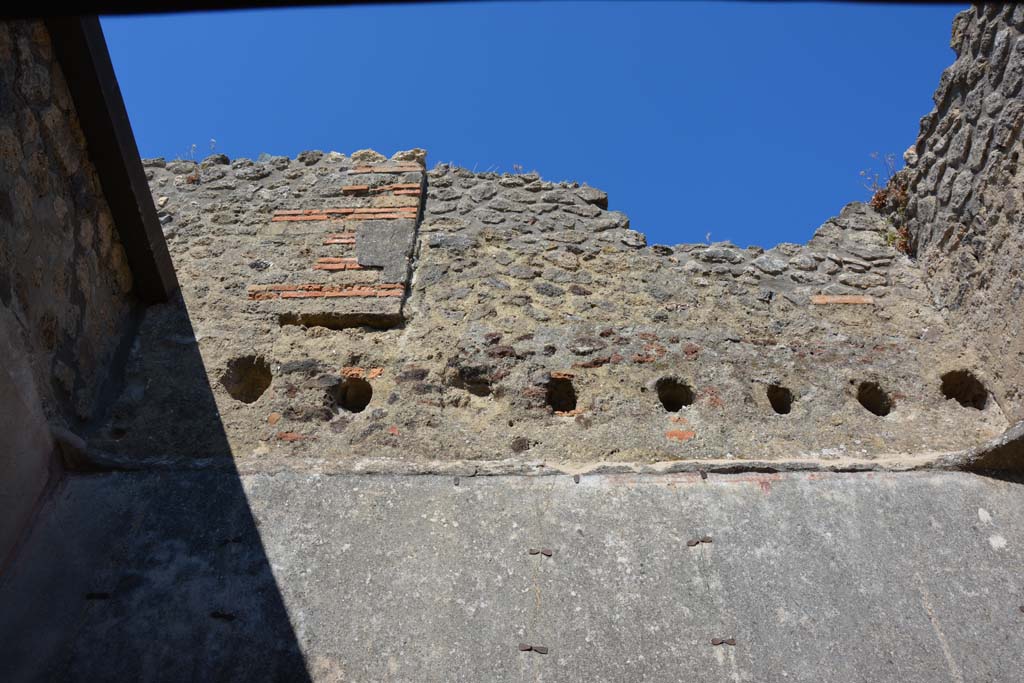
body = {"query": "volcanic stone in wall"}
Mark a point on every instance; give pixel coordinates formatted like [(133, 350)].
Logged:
[(538, 326), (963, 185)]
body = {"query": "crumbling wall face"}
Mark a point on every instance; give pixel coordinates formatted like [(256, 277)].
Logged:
[(64, 280), (536, 325), (967, 193)]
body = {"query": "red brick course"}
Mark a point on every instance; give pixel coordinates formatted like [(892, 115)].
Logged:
[(820, 299), (394, 168), (345, 214), (331, 263), (680, 434), (346, 238), (290, 436), (314, 291), (361, 373), (396, 188), (340, 210)]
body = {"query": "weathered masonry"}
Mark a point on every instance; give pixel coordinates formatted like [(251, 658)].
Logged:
[(80, 250), (728, 433), (360, 249), (518, 319)]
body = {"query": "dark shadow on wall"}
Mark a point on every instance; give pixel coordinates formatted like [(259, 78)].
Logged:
[(164, 413), (144, 562), (143, 568)]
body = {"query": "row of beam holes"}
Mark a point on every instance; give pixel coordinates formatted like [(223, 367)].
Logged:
[(248, 377), (674, 394)]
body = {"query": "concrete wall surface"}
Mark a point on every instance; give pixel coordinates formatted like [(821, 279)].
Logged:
[(910, 577)]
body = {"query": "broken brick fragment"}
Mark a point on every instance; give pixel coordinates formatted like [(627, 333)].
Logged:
[(680, 435)]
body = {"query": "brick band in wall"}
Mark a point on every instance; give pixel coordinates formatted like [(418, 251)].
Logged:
[(351, 261), (346, 214), (331, 263), (309, 291), (397, 168), (825, 299), (401, 189)]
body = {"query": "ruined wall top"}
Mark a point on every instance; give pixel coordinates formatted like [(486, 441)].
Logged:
[(531, 326), (961, 194), (357, 310)]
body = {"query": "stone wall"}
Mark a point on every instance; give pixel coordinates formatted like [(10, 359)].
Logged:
[(537, 327), (65, 287), (63, 272), (966, 186), (354, 310)]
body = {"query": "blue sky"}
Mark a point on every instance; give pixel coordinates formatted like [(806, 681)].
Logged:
[(748, 121)]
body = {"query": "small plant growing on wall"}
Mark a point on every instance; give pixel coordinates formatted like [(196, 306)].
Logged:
[(876, 179), (899, 239), (889, 196)]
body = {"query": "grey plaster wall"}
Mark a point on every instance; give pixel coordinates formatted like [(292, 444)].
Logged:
[(908, 577), (966, 186)]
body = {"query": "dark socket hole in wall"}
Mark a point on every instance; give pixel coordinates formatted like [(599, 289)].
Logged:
[(475, 380), (353, 394), (246, 378), (673, 394), (965, 388), (781, 399), (561, 395), (340, 321), (874, 398)]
